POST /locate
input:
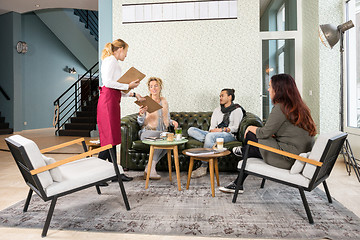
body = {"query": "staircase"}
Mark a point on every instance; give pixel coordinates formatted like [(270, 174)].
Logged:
[(90, 19), (4, 126), (84, 120), (75, 109)]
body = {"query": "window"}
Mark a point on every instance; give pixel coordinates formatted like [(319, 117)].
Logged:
[(281, 44), (179, 11), (278, 15)]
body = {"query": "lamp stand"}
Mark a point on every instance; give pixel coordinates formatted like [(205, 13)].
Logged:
[(349, 159)]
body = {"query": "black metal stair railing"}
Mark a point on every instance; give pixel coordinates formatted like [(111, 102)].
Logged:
[(4, 93), (79, 95), (90, 18)]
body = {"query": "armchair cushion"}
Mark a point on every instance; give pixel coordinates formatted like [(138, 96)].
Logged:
[(55, 172), (298, 165), (317, 152), (74, 176), (257, 165), (35, 158)]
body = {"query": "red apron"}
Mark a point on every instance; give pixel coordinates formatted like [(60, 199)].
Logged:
[(108, 116)]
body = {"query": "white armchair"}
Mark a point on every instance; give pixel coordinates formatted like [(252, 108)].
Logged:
[(52, 179), (306, 173)]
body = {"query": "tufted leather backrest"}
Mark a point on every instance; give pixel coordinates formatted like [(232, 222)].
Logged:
[(202, 120), (192, 119), (186, 120)]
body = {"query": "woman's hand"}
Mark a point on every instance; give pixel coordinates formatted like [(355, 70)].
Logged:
[(142, 110), (139, 97), (175, 123), (251, 129), (134, 84), (216, 130)]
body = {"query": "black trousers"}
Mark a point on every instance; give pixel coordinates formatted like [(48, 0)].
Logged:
[(105, 155), (254, 152)]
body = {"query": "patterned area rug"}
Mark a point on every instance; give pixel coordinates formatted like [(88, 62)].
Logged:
[(273, 212)]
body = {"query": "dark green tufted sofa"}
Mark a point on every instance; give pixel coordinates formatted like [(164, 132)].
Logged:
[(135, 154)]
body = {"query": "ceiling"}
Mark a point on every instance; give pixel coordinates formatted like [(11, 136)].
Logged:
[(23, 6)]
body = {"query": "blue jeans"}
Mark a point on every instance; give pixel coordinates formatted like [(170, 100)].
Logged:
[(209, 138)]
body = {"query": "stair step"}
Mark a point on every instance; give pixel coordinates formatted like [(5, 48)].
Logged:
[(80, 126), (72, 132), (83, 120), (86, 114), (89, 109), (2, 119), (6, 131), (4, 125)]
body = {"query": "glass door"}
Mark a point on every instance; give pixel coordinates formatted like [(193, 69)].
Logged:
[(278, 57), (281, 41)]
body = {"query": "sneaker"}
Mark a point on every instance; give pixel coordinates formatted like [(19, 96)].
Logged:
[(237, 151), (103, 184), (200, 172), (230, 188)]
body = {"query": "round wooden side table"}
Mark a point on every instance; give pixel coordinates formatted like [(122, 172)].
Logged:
[(212, 159), (163, 144)]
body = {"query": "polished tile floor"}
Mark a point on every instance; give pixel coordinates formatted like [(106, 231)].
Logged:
[(344, 188)]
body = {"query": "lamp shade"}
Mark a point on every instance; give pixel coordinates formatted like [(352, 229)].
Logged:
[(329, 35)]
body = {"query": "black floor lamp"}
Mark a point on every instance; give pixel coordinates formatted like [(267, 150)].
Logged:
[(329, 36)]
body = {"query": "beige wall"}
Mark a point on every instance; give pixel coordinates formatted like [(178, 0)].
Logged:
[(196, 59), (311, 58), (321, 65), (330, 11)]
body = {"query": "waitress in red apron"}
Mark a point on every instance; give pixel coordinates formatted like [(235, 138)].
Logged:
[(108, 108)]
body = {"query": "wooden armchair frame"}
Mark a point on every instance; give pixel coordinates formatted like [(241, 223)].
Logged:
[(322, 172), (31, 179)]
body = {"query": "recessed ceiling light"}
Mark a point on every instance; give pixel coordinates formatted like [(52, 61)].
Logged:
[(37, 5)]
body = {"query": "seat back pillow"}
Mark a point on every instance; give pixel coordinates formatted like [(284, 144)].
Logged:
[(298, 165), (55, 172), (35, 158), (317, 151)]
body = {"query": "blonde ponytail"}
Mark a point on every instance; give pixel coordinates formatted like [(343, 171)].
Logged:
[(111, 47)]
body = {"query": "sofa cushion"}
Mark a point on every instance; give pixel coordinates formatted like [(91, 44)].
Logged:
[(259, 166), (317, 152), (80, 173), (134, 154), (139, 146), (298, 165), (55, 172), (193, 143), (35, 158)]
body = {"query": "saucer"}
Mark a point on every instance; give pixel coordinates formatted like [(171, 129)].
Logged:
[(182, 138), (220, 150)]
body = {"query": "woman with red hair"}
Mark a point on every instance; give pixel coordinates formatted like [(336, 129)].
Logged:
[(289, 127)]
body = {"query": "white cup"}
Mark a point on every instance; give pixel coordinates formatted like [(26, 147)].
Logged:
[(220, 143), (178, 137)]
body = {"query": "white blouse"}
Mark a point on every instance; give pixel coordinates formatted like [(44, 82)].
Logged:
[(110, 73)]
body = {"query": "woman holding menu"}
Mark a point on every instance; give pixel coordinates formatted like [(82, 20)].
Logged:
[(108, 108), (153, 124)]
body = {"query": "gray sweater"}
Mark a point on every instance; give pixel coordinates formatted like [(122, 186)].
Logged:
[(280, 133)]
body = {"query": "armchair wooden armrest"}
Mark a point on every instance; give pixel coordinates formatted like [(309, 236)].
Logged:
[(70, 159), (287, 154), (49, 149)]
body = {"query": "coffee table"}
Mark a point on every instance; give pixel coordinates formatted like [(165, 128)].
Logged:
[(164, 144), (212, 159), (91, 145)]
